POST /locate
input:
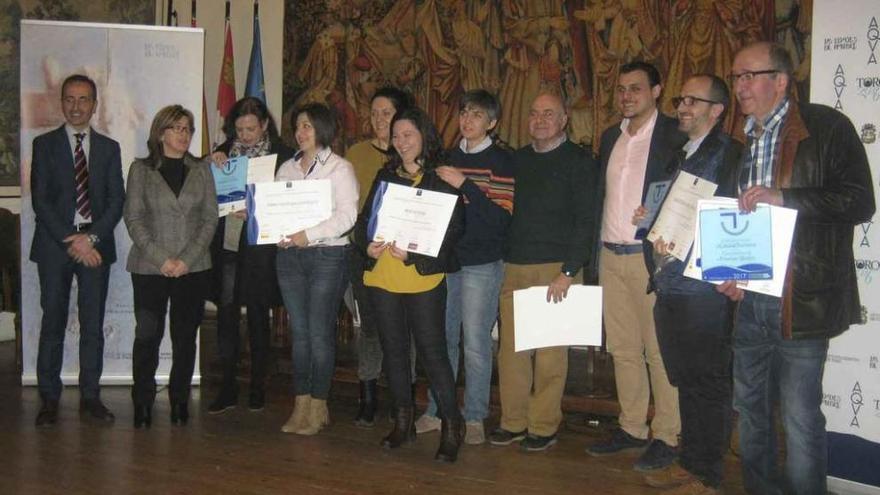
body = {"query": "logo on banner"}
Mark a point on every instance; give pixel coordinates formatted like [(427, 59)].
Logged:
[(856, 401), (865, 228), (733, 230), (873, 38), (839, 85), (840, 43), (866, 269), (872, 362), (831, 400), (869, 133)]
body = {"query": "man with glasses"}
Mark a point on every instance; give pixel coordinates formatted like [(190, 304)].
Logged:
[(635, 154), (807, 157), (77, 194), (693, 320)]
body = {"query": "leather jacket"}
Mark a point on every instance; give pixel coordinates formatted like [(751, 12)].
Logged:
[(823, 172)]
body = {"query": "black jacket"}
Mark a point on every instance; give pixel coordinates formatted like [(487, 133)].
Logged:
[(446, 260), (823, 172)]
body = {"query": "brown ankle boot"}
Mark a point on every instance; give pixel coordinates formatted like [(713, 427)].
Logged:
[(318, 417), (300, 417)]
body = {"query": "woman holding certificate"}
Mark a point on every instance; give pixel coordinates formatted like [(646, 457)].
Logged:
[(171, 213), (244, 274), (312, 267), (408, 290)]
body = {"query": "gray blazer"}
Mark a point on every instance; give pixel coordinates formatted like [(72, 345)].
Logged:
[(164, 226)]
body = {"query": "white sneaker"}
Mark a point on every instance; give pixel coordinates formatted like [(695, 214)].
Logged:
[(427, 423), (474, 433)]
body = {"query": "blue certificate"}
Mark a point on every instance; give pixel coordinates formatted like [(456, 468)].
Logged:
[(653, 199), (229, 181), (736, 245)]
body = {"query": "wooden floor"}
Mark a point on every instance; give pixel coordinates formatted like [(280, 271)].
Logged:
[(242, 452)]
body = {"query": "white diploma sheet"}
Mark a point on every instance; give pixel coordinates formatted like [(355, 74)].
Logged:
[(261, 169), (675, 222), (782, 221), (414, 219), (278, 209), (577, 320)]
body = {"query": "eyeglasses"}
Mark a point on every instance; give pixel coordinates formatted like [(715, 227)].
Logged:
[(749, 75), (180, 129), (690, 100)]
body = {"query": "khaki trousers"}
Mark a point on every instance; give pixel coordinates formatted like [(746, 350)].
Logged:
[(632, 342), (531, 383)]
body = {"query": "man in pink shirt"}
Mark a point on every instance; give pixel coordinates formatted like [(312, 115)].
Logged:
[(638, 152)]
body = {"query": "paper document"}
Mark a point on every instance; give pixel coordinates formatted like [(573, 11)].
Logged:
[(783, 222), (261, 169), (278, 209), (675, 222), (414, 219), (577, 320)]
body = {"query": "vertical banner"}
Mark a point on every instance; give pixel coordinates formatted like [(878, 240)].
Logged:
[(846, 76), (138, 70)]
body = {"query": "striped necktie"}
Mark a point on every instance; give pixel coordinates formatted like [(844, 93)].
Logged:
[(81, 177)]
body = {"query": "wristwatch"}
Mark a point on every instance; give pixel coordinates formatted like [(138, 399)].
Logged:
[(569, 273), (94, 239)]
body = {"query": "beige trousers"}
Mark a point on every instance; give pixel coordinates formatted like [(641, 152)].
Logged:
[(531, 383), (632, 342)]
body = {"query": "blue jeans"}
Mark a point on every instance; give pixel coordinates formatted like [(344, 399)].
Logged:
[(312, 281), (471, 310), (766, 368)]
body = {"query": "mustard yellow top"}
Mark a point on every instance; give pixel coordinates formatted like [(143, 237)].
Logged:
[(393, 275), (367, 160)]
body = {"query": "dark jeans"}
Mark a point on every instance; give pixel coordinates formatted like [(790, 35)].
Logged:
[(767, 368), (55, 281), (694, 333), (422, 316), (228, 319), (369, 350), (151, 297), (312, 281)]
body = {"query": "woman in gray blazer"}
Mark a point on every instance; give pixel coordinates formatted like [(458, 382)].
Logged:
[(171, 214)]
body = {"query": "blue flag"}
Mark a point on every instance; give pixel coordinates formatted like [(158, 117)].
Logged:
[(255, 85)]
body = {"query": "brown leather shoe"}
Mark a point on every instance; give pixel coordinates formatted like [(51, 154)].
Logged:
[(670, 477), (48, 414)]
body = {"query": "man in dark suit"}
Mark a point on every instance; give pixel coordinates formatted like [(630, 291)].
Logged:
[(635, 154), (77, 193)]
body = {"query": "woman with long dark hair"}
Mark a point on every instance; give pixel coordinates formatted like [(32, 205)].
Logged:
[(171, 213), (408, 290), (244, 274)]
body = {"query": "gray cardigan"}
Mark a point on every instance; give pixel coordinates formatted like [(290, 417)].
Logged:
[(164, 226)]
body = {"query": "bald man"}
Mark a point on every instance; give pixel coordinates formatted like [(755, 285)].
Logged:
[(550, 239)]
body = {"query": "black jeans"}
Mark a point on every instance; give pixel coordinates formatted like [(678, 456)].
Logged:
[(423, 316), (228, 319), (151, 296), (694, 333)]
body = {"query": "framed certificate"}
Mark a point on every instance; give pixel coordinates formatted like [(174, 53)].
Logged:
[(736, 245), (278, 209), (413, 219), (653, 199), (230, 180)]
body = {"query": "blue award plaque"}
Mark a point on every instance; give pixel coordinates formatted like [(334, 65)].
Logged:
[(229, 181), (736, 245), (653, 199)]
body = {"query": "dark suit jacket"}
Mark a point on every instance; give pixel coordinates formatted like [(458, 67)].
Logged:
[(666, 141), (53, 192)]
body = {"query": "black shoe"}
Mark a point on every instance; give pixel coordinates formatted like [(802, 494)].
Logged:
[(658, 455), (451, 433), (368, 403), (404, 430), (501, 437), (48, 414), (620, 440), (96, 409), (143, 416), (537, 443), (227, 399), (179, 414), (256, 400)]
